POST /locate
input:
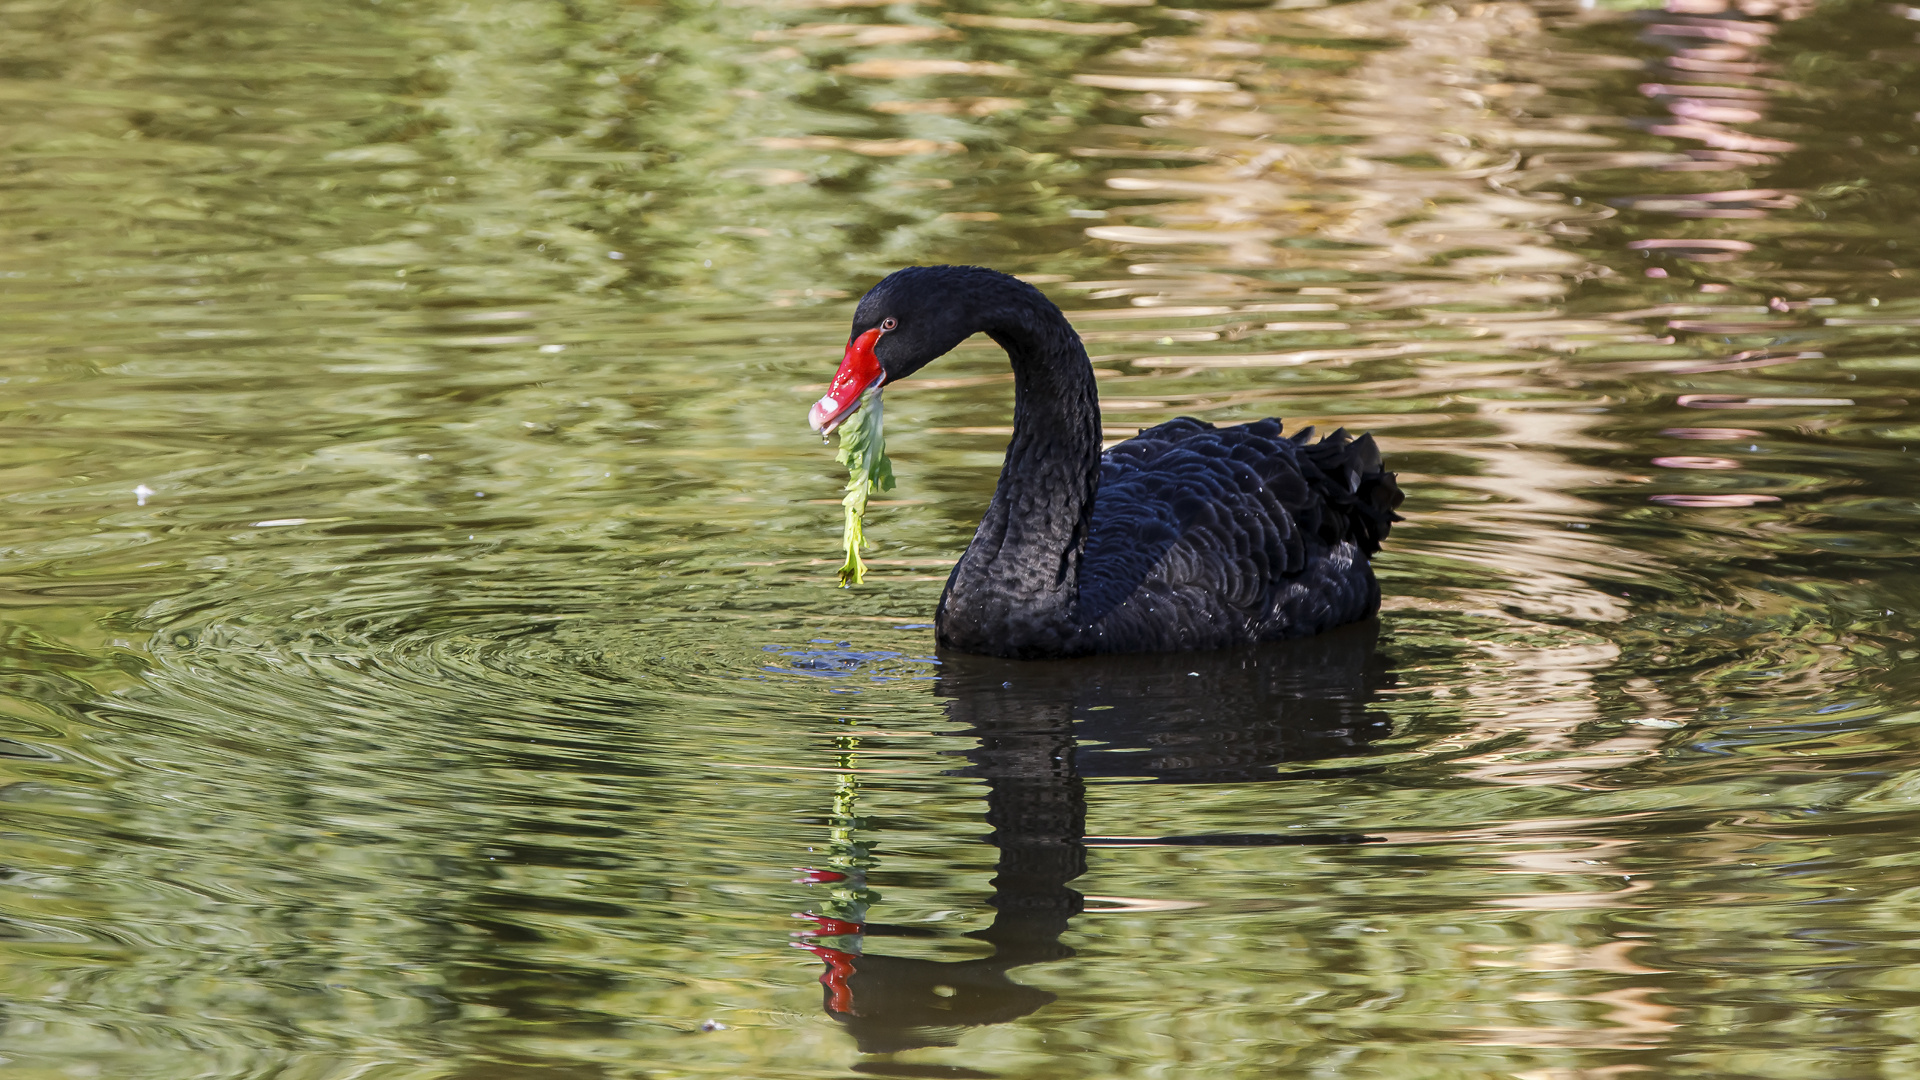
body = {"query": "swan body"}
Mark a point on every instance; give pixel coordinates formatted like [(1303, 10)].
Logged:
[(1185, 537)]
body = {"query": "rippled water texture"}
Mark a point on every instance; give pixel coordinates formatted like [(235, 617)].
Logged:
[(422, 655)]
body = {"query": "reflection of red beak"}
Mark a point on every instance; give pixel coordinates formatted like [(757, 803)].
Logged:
[(859, 369), (839, 970), (828, 926)]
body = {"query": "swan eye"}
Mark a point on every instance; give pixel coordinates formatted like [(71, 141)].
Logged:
[(889, 323)]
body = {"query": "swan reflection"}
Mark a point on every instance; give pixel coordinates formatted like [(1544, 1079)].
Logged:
[(1043, 729)]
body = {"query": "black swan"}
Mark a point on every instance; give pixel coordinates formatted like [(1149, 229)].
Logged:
[(1185, 537)]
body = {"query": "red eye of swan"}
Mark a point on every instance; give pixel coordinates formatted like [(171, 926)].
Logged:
[(889, 323)]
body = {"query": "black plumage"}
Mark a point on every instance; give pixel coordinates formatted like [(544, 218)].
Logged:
[(1185, 537)]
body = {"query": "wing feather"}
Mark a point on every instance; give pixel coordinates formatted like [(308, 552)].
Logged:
[(1204, 536)]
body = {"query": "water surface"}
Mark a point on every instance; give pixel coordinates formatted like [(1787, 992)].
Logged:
[(422, 655)]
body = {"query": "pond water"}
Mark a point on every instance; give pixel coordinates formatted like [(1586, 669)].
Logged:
[(422, 655)]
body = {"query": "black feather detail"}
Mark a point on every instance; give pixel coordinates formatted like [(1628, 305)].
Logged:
[(1206, 537)]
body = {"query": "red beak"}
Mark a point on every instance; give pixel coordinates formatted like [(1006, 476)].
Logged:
[(859, 369)]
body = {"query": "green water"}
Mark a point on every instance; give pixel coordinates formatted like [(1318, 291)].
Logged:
[(422, 654)]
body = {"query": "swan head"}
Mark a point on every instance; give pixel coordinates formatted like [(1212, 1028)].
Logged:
[(913, 317)]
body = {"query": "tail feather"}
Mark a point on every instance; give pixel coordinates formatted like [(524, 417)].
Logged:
[(1362, 494)]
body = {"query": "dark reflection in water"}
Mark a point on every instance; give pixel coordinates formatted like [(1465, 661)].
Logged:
[(1044, 729)]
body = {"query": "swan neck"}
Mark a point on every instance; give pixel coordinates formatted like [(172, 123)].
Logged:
[(1014, 591)]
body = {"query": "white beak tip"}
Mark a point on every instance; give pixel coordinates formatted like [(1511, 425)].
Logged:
[(820, 417)]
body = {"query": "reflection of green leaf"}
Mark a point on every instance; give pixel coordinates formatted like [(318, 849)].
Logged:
[(863, 450), (849, 899), (1841, 189)]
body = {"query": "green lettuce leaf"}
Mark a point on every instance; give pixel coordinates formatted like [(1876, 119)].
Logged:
[(863, 450)]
